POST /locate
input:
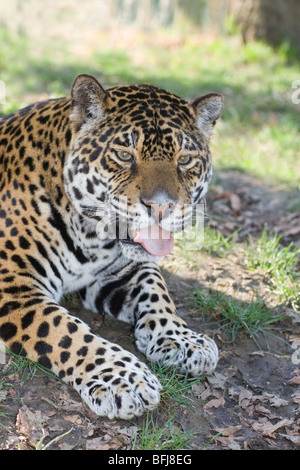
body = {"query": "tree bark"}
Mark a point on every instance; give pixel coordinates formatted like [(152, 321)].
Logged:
[(270, 20)]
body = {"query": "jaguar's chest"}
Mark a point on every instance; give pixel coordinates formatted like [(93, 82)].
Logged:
[(81, 273), (83, 257)]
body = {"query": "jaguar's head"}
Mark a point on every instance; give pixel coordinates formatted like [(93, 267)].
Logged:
[(139, 161)]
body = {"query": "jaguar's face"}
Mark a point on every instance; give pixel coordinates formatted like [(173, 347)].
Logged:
[(139, 162)]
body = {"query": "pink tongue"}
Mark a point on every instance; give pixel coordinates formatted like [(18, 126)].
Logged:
[(155, 240)]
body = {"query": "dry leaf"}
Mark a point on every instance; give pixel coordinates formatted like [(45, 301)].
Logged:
[(274, 400), (296, 378), (3, 394), (235, 203), (215, 403), (225, 195), (64, 446), (234, 200), (228, 442), (263, 410), (288, 225), (292, 231), (293, 439), (267, 428), (74, 419), (30, 424), (245, 398), (98, 444), (296, 398), (217, 380), (210, 392), (229, 431), (198, 388)]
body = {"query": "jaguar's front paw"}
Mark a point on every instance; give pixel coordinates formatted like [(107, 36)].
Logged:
[(122, 389), (188, 351)]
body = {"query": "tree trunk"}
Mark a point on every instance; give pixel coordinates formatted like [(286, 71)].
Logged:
[(270, 20)]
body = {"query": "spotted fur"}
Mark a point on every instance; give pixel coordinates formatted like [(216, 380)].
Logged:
[(69, 169)]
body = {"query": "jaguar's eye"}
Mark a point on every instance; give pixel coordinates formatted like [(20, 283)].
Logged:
[(184, 160), (124, 155)]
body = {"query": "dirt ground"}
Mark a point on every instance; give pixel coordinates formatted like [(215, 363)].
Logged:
[(253, 399)]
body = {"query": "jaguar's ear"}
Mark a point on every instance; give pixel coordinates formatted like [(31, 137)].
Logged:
[(207, 110), (88, 100)]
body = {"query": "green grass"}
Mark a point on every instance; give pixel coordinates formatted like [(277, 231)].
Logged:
[(22, 367), (259, 131), (280, 263), (153, 436), (177, 388), (217, 244), (267, 253), (193, 241), (277, 262), (235, 316)]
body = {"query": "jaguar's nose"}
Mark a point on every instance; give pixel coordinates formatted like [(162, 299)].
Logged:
[(158, 204), (157, 210)]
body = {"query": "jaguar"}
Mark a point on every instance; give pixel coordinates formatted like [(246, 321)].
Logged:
[(92, 189)]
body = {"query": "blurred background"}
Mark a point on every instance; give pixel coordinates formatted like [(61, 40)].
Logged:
[(246, 49)]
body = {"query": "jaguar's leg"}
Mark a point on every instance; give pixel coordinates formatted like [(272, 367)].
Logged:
[(112, 381), (142, 299)]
